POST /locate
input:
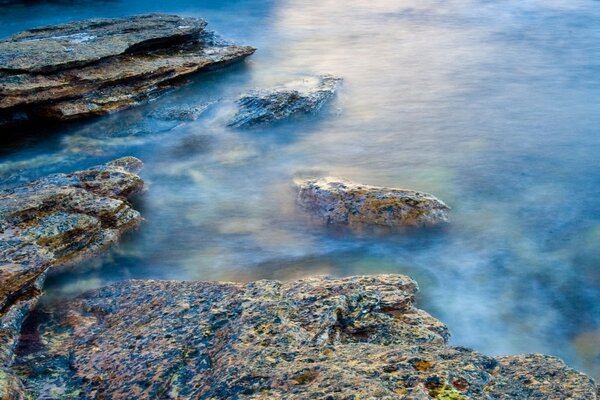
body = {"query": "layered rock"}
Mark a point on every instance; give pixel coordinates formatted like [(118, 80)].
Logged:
[(298, 97), (338, 201), (55, 221), (97, 66), (318, 338)]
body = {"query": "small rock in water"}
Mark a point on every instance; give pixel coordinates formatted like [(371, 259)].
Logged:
[(338, 201), (319, 338), (97, 66), (262, 106), (55, 221), (181, 113)]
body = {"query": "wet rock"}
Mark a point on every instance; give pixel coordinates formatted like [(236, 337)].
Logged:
[(262, 106), (317, 338), (98, 66), (55, 221), (181, 113), (338, 201)]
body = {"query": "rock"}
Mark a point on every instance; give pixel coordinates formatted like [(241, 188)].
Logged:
[(317, 338), (73, 44), (338, 201), (181, 113), (55, 221), (98, 66), (261, 106)]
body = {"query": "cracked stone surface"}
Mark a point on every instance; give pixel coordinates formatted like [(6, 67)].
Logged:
[(320, 338)]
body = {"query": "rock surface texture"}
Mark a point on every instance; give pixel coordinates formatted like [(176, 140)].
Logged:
[(298, 97), (55, 221), (319, 338), (338, 201), (97, 66)]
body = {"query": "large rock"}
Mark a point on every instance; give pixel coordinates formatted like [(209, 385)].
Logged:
[(94, 67), (338, 201), (319, 338), (51, 222), (298, 97), (73, 44)]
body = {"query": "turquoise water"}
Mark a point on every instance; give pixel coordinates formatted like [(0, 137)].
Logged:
[(490, 105)]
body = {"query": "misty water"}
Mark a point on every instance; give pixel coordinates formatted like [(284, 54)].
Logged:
[(490, 105)]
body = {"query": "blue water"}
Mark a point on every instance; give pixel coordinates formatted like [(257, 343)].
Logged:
[(490, 105)]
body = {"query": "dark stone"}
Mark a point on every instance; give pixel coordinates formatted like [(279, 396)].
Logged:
[(262, 106)]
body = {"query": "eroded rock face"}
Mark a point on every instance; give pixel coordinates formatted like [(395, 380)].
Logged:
[(73, 44), (98, 66), (55, 221), (305, 96), (338, 201), (318, 338)]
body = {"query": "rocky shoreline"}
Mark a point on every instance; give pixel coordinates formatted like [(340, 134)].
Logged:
[(359, 337)]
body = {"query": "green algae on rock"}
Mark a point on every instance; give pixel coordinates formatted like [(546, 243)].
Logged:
[(55, 221), (338, 201), (319, 338), (97, 66), (297, 97)]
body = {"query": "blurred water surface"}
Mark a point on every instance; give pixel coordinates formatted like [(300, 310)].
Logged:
[(490, 105)]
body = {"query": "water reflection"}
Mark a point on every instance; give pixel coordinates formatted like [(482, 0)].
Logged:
[(492, 106)]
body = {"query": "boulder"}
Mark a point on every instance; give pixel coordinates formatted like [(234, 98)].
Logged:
[(316, 338), (338, 201), (298, 97), (54, 221), (97, 66)]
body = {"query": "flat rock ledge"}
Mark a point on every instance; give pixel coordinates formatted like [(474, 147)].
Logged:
[(97, 66), (319, 338), (339, 201), (296, 97), (55, 221)]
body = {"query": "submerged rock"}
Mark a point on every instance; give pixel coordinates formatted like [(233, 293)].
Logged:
[(184, 113), (318, 338), (97, 66), (55, 221), (338, 201), (261, 106)]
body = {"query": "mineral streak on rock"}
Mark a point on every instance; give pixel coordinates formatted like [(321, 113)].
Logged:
[(54, 221), (108, 64), (262, 106), (338, 201), (318, 338)]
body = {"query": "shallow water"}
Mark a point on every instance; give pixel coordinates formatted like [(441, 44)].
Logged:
[(490, 105)]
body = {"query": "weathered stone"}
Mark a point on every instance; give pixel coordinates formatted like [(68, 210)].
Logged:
[(338, 201), (74, 44), (261, 106), (128, 62), (55, 221), (318, 338)]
